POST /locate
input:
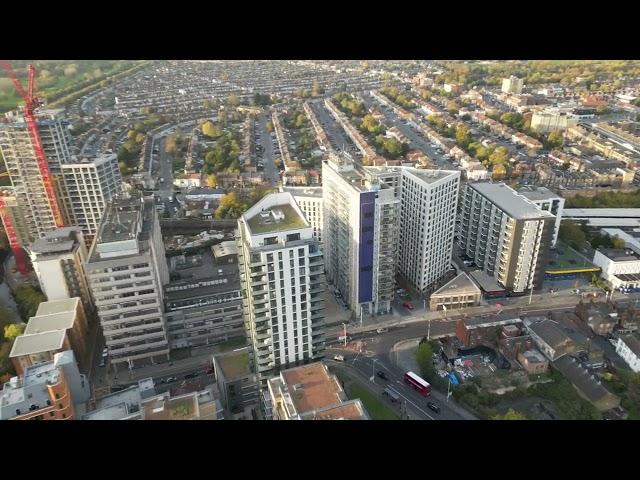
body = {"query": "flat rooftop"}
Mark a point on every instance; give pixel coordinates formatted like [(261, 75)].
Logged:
[(48, 323), (234, 364), (276, 219), (225, 248), (620, 254), (633, 343), (350, 410), (509, 201), (304, 191), (58, 306), (37, 343), (537, 193), (184, 407), (312, 387), (601, 212)]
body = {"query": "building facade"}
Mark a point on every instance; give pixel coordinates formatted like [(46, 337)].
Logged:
[(282, 277), (512, 84), (505, 234), (628, 347), (547, 201), (22, 165), (58, 259), (127, 271), (88, 187), (360, 235)]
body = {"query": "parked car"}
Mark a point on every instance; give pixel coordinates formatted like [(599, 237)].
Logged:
[(433, 407), (382, 375), (407, 305), (338, 358)]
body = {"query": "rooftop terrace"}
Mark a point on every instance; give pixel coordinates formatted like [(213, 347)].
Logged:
[(276, 219)]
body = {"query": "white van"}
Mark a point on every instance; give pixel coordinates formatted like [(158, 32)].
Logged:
[(338, 358)]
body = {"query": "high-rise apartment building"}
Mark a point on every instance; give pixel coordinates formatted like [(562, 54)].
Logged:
[(58, 259), (88, 186), (360, 235), (282, 276), (127, 271), (505, 234), (512, 84), (427, 222), (22, 164), (309, 199), (548, 201)]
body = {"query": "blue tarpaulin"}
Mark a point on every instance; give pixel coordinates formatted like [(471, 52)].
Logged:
[(454, 379)]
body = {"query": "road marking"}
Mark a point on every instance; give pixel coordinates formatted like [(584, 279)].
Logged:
[(408, 400)]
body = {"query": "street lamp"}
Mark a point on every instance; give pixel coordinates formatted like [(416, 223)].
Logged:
[(344, 326), (531, 293), (428, 329)]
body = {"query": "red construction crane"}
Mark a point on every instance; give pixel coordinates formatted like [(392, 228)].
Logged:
[(31, 103)]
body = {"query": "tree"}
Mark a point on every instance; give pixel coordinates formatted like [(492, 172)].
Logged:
[(462, 136), (211, 130), (269, 126), (28, 299), (13, 330), (500, 156), (510, 415), (212, 181), (170, 145), (571, 233), (555, 140), (618, 242), (300, 121), (602, 109), (140, 137), (233, 100), (230, 207), (452, 107), (316, 90)]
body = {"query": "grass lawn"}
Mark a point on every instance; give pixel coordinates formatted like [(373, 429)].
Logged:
[(375, 407), (291, 220)]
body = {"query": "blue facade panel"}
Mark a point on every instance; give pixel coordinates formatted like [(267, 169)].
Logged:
[(365, 254)]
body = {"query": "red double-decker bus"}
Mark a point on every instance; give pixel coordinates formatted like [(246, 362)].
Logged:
[(417, 383)]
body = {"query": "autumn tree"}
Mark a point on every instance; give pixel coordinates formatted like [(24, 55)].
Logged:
[(212, 181), (233, 100), (211, 130), (13, 330), (511, 414)]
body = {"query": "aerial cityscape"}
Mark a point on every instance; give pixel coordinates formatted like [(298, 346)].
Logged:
[(320, 240)]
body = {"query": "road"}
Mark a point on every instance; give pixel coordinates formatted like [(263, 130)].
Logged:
[(338, 138), (417, 140), (271, 172)]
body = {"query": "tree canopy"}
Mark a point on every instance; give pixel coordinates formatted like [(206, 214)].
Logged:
[(511, 414)]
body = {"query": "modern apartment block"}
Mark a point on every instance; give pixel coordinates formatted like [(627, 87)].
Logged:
[(548, 201), (53, 390), (360, 235), (309, 199), (22, 164), (58, 259), (127, 271), (427, 225), (506, 235), (512, 84), (88, 186), (282, 277)]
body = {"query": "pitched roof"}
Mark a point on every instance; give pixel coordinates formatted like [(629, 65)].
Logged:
[(460, 285), (549, 332)]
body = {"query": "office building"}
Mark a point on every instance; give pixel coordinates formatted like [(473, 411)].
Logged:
[(620, 267), (512, 84), (238, 385), (310, 392), (88, 187), (282, 276), (206, 307), (360, 235), (505, 234), (54, 390), (548, 201), (309, 199), (58, 260), (127, 272), (57, 326), (37, 212)]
